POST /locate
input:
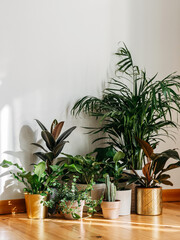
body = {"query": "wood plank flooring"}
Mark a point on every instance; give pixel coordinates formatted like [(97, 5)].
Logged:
[(133, 227)]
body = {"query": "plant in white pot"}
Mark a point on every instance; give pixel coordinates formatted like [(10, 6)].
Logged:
[(38, 186), (110, 206), (149, 193), (114, 165)]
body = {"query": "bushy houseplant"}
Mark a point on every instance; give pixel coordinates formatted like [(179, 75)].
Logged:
[(70, 201), (149, 194), (133, 105), (38, 185)]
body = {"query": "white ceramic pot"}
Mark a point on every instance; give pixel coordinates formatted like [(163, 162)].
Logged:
[(78, 209), (133, 188), (125, 198), (96, 192), (110, 209)]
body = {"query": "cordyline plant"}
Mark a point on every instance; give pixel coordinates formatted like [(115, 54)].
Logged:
[(155, 167), (133, 106), (54, 142)]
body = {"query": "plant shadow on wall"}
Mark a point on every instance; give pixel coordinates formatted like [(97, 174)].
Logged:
[(24, 156), (133, 105)]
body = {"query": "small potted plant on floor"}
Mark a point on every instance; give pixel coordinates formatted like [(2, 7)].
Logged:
[(149, 193), (110, 206), (114, 165), (37, 186), (70, 201), (87, 169)]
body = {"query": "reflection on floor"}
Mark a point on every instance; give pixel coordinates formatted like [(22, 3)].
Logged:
[(133, 227)]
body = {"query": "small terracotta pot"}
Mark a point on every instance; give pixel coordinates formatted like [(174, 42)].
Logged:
[(78, 209), (125, 197), (34, 207), (149, 201), (110, 209)]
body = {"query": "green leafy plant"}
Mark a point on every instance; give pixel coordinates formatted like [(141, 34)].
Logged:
[(156, 166), (54, 142), (85, 167), (113, 164), (37, 181), (133, 105), (69, 193), (110, 191)]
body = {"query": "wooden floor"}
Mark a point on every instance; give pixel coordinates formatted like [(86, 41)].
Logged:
[(133, 227)]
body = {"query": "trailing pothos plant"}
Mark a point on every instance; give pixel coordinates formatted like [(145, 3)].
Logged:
[(156, 167), (68, 192), (133, 105), (37, 181), (54, 142)]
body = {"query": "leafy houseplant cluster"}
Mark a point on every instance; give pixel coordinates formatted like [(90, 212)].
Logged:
[(133, 119), (133, 105)]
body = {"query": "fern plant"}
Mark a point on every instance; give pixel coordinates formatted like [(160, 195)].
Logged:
[(133, 105)]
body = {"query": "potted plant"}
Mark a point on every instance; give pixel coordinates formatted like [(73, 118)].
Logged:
[(133, 105), (70, 201), (149, 193), (87, 169), (55, 142), (110, 206), (37, 186), (114, 166)]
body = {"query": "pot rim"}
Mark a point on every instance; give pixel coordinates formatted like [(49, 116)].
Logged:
[(124, 190), (111, 202), (157, 187), (27, 193)]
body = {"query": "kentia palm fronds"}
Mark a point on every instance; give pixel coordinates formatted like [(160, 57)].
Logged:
[(141, 108)]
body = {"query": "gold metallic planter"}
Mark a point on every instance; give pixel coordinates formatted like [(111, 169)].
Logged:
[(34, 207), (149, 201)]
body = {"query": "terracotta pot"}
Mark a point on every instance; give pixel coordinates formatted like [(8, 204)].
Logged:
[(96, 192), (125, 198), (110, 209), (34, 207), (78, 209), (133, 188), (149, 201)]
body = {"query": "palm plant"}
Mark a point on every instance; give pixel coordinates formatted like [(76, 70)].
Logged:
[(133, 105)]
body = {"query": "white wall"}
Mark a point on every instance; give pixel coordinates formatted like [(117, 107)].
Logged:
[(51, 54), (54, 52), (151, 30)]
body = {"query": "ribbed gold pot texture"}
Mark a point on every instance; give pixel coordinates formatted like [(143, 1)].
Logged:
[(34, 207), (149, 201)]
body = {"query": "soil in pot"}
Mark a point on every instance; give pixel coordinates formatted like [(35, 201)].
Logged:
[(110, 209)]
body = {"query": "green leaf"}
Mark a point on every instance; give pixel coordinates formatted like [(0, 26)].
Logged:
[(39, 169), (118, 156)]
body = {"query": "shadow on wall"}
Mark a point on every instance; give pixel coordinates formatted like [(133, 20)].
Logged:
[(24, 157)]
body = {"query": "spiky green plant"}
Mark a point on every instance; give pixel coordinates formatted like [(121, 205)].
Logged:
[(110, 191), (133, 106), (54, 142)]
